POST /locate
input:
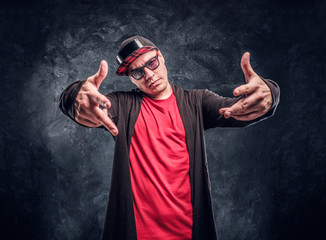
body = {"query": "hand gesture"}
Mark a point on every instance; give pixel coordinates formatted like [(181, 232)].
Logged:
[(91, 107), (258, 97)]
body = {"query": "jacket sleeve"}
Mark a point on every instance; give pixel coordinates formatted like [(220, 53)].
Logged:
[(213, 102), (68, 97)]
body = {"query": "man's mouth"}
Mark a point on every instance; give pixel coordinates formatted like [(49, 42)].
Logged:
[(153, 83)]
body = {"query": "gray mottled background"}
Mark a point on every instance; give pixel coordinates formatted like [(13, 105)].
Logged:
[(268, 180)]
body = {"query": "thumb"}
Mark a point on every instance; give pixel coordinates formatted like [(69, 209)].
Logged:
[(101, 74), (246, 67)]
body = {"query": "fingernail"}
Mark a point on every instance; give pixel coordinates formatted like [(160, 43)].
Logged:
[(236, 92), (114, 132)]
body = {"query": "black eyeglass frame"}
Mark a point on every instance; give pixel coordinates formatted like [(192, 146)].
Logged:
[(145, 65)]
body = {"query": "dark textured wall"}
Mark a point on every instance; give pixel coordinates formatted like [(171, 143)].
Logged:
[(268, 180)]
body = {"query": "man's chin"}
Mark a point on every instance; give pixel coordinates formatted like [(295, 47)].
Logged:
[(156, 90), (155, 83)]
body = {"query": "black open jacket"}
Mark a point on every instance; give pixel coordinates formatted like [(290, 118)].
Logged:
[(199, 110)]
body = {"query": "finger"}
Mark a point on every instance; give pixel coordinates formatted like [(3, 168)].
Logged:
[(98, 77), (222, 110), (106, 121), (248, 102), (88, 114), (105, 110), (227, 112), (255, 102), (245, 89), (77, 106), (239, 107), (246, 67), (258, 107), (100, 100), (247, 117), (247, 111), (89, 123)]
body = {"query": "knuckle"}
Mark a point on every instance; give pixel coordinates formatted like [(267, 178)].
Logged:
[(77, 106), (108, 103), (98, 101), (267, 105), (261, 105), (260, 96), (93, 98), (245, 105), (242, 88), (82, 106)]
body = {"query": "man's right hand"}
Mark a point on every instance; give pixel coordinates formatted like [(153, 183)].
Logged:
[(91, 107)]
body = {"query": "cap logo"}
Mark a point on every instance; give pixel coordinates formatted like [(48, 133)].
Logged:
[(138, 43), (119, 60)]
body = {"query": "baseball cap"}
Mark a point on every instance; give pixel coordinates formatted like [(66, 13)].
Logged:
[(130, 49)]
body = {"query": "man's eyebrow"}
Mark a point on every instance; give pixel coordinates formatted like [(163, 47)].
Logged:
[(132, 69)]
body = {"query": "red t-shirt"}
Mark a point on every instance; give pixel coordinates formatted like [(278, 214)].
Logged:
[(159, 168)]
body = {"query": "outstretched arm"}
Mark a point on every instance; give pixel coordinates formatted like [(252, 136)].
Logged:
[(90, 107), (257, 97)]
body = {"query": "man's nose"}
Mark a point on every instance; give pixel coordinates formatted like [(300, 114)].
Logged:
[(148, 73)]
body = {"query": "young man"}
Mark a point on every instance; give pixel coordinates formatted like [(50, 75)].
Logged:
[(160, 186)]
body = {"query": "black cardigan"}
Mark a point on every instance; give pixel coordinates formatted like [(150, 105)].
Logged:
[(199, 110)]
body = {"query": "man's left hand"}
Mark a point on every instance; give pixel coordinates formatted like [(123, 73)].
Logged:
[(257, 98)]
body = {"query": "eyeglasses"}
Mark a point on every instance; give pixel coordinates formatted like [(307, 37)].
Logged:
[(152, 64)]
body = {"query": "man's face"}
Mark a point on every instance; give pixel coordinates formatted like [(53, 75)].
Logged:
[(155, 82)]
